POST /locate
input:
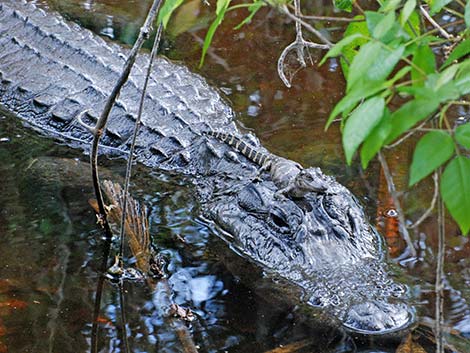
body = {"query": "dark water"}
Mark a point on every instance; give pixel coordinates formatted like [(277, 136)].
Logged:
[(51, 249)]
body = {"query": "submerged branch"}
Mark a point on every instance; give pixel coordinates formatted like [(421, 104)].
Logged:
[(393, 193), (101, 123)]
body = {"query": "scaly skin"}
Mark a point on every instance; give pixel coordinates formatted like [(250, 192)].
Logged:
[(51, 71), (290, 177)]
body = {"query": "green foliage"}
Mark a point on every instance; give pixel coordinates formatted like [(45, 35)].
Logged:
[(169, 6), (390, 41), (455, 191), (467, 14), (433, 150), (253, 8), (437, 5), (345, 5), (359, 125), (222, 6), (462, 135)]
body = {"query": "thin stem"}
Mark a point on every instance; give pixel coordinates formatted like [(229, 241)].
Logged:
[(330, 18), (405, 137), (432, 31), (101, 123), (134, 138), (453, 12), (99, 295), (122, 305), (310, 28), (240, 6), (432, 205), (393, 193), (434, 23), (439, 285)]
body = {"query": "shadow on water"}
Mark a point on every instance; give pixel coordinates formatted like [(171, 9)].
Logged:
[(53, 254)]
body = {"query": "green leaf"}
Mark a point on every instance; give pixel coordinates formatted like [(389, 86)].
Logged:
[(361, 122), (169, 6), (185, 18), (462, 135), (336, 50), (413, 27), (349, 51), (345, 5), (432, 150), (455, 191), (253, 8), (407, 10), (350, 100), (390, 5), (384, 26), (437, 5), (362, 62), (446, 76), (372, 63), (467, 14), (424, 59), (462, 79), (460, 50), (409, 114), (376, 139), (222, 6)]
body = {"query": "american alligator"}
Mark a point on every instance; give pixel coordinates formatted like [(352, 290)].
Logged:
[(52, 70), (289, 176)]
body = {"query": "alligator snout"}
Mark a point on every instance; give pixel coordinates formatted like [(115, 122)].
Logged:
[(379, 317)]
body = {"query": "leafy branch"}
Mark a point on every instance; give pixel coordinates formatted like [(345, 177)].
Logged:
[(395, 39)]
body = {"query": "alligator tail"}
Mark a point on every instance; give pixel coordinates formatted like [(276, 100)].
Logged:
[(241, 146)]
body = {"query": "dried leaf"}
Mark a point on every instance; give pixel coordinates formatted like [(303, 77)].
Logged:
[(136, 224), (291, 347), (410, 346)]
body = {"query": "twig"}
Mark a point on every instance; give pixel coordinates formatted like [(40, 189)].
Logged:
[(134, 138), (434, 23), (122, 305), (99, 294), (101, 123), (393, 193), (326, 18), (310, 28), (329, 18), (405, 137), (431, 206), (439, 286), (292, 347), (299, 44)]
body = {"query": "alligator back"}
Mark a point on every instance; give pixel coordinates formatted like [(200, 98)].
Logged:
[(51, 70)]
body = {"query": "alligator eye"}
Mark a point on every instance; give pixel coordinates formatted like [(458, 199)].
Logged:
[(279, 221)]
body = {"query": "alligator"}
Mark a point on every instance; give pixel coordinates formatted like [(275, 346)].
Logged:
[(290, 177), (51, 71)]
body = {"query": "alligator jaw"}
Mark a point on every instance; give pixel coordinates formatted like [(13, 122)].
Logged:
[(379, 318)]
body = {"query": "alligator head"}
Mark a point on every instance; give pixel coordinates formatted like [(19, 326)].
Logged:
[(322, 243)]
